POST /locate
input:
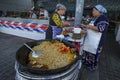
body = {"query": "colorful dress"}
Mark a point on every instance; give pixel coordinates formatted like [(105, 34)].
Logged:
[(89, 58), (55, 27)]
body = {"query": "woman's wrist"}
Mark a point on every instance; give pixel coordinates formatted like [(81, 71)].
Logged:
[(92, 27), (88, 26)]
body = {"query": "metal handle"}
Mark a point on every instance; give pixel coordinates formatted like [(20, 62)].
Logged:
[(29, 47)]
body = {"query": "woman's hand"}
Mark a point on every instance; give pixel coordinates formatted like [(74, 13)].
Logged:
[(41, 17), (83, 25), (89, 27), (66, 24)]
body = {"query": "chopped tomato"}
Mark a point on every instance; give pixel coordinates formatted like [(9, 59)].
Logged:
[(64, 49)]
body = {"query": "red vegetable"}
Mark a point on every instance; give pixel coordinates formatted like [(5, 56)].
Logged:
[(64, 49)]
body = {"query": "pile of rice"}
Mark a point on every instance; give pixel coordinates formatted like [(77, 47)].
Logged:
[(51, 56)]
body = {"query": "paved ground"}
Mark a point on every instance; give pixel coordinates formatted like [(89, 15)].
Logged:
[(108, 69), (109, 65), (8, 46)]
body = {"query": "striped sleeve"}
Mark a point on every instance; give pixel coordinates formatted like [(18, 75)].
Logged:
[(57, 20)]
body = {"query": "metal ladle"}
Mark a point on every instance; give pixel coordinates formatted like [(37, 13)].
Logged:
[(35, 53)]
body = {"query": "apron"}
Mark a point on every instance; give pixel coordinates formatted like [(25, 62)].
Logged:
[(56, 31), (92, 40)]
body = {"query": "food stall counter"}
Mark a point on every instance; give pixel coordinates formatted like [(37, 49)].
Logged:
[(27, 28)]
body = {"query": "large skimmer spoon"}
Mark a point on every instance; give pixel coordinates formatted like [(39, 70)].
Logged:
[(35, 53)]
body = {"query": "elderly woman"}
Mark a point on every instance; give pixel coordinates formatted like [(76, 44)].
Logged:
[(56, 23), (96, 31)]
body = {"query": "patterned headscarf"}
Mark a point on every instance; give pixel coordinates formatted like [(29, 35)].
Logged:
[(60, 6)]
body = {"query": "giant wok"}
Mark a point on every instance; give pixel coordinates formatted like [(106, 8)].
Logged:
[(22, 58)]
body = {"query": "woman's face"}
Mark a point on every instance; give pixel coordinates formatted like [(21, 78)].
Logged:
[(95, 13), (41, 10), (61, 12)]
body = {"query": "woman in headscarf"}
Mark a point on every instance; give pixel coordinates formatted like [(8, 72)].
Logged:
[(43, 13), (96, 32), (56, 23)]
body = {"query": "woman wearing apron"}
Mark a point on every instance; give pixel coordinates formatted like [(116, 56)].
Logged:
[(56, 23), (96, 31)]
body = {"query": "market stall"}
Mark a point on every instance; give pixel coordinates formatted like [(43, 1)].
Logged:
[(63, 47), (27, 28)]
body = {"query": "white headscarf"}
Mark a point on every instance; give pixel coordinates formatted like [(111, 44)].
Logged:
[(101, 9)]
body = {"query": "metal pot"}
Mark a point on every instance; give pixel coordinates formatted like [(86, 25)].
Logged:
[(22, 59)]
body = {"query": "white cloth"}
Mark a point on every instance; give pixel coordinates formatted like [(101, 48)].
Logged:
[(77, 30), (60, 6), (101, 8), (33, 16), (118, 34), (61, 36), (92, 40)]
